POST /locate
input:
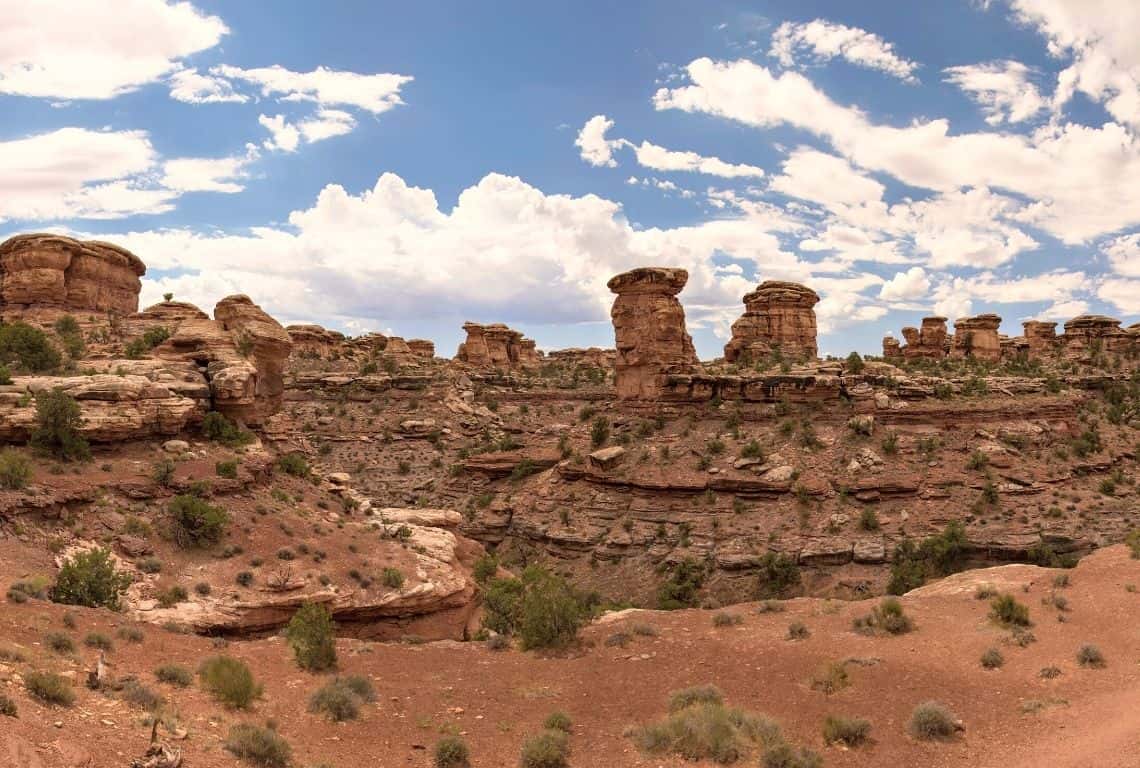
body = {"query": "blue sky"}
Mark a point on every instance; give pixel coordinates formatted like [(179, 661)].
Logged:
[(406, 167)]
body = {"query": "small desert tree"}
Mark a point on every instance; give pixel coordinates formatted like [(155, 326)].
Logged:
[(310, 633), (90, 578), (58, 420)]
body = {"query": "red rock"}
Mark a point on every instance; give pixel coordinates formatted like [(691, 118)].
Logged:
[(929, 342), (1041, 338), (977, 337), (496, 346), (649, 325), (422, 348), (777, 315)]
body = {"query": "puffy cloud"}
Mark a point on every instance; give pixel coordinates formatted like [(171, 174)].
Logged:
[(326, 124), (661, 159), (1100, 37), (822, 40), (75, 172), (906, 286), (595, 148), (1083, 182), (375, 93), (954, 296), (191, 87), (1124, 254), (1002, 88), (197, 174), (1122, 292), (391, 253), (283, 135), (84, 49)]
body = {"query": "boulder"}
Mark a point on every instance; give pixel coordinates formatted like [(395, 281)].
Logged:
[(607, 458)]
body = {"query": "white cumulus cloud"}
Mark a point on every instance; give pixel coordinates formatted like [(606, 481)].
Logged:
[(822, 40)]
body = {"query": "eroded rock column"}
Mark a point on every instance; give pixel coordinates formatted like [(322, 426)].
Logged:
[(649, 327), (777, 316), (977, 337)]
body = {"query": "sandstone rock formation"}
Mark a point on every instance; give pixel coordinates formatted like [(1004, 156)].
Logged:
[(929, 342), (649, 326), (496, 346), (1089, 333), (1040, 338), (891, 348), (44, 275), (242, 352), (777, 316), (575, 357), (977, 337), (422, 348), (311, 340)]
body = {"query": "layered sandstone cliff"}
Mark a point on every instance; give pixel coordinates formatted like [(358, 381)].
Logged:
[(649, 328), (977, 337), (778, 316), (496, 346)]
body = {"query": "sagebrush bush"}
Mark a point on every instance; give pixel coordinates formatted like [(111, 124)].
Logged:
[(15, 471), (452, 752), (557, 721), (140, 696), (59, 642), (98, 640), (784, 755), (341, 697), (1090, 656), (262, 747), (851, 731), (293, 464), (1005, 610), (49, 688), (7, 706), (888, 616), (797, 630), (311, 636), (992, 659), (698, 694), (174, 674), (548, 749), (393, 578), (229, 681), (699, 727), (933, 721), (90, 578), (219, 429)]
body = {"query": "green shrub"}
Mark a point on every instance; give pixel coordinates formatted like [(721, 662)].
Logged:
[(293, 464), (698, 694), (5, 375), (59, 642), (600, 432), (341, 697), (98, 640), (28, 347), (934, 556), (1090, 656), (49, 688), (229, 681), (855, 363), (22, 591), (56, 433), (784, 755), (683, 586), (541, 608), (67, 328), (310, 634), (172, 596), (163, 473), (258, 746), (140, 696), (888, 616), (219, 429), (15, 470), (778, 574), (195, 522), (174, 674), (89, 578), (392, 578), (869, 520), (851, 731), (933, 721), (557, 721), (7, 706), (797, 630), (549, 749), (130, 634), (1005, 610), (699, 726), (227, 469), (992, 659), (485, 568), (452, 752), (725, 619)]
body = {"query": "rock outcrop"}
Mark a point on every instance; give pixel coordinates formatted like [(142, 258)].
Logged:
[(422, 348), (929, 342), (496, 346), (977, 337), (777, 316), (50, 275), (649, 327), (311, 340), (1040, 338), (242, 352), (1088, 334), (892, 350)]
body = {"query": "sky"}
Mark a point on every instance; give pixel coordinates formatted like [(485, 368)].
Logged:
[(405, 167)]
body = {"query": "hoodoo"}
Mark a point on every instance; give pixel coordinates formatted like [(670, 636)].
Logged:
[(777, 316)]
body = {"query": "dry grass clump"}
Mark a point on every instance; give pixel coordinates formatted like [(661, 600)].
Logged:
[(933, 721), (851, 731)]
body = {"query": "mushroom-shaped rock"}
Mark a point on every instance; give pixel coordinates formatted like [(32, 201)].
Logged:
[(777, 315)]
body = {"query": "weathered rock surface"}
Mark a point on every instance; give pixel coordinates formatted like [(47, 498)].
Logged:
[(312, 340), (496, 346), (777, 316), (977, 337), (53, 272), (930, 341), (649, 326)]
